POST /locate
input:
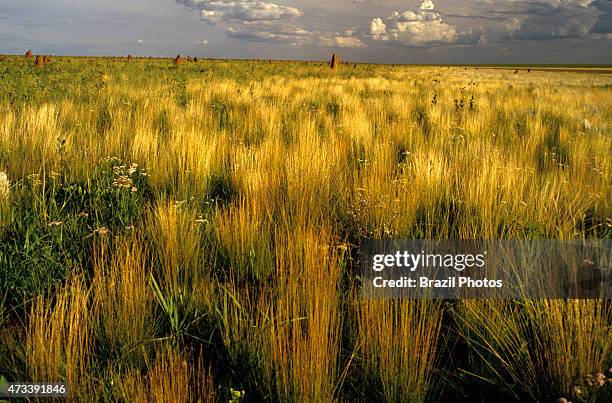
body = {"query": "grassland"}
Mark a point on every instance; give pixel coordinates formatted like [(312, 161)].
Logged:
[(191, 232)]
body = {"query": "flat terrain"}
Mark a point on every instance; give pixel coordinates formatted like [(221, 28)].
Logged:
[(192, 231), (559, 69)]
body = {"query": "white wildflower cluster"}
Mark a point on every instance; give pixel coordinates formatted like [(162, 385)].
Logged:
[(201, 220), (35, 179), (5, 185), (123, 176), (178, 205)]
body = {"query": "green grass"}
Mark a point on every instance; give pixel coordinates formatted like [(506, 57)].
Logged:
[(193, 230)]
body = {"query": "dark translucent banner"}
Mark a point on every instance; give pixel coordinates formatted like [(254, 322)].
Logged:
[(508, 269)]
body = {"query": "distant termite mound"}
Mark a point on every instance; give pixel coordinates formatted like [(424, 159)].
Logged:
[(39, 62), (29, 54), (335, 61), (178, 60)]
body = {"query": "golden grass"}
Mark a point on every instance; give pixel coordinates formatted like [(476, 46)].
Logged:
[(59, 340), (398, 341), (541, 346), (260, 191), (170, 377), (122, 299)]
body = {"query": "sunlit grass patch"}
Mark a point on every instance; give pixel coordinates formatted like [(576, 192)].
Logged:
[(193, 230)]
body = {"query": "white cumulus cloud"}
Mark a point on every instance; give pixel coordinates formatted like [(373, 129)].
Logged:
[(251, 20), (427, 5), (243, 10), (414, 28), (341, 41), (378, 29)]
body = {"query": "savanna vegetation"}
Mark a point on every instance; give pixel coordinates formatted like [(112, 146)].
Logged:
[(189, 231)]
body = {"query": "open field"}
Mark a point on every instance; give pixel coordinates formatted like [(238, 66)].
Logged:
[(589, 70), (192, 231)]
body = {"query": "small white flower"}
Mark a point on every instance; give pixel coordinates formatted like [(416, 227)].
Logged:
[(133, 168), (586, 124), (201, 220), (123, 181)]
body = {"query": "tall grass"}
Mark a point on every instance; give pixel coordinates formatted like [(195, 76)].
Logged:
[(288, 331), (399, 343), (59, 339), (192, 232), (122, 301), (169, 374), (537, 349)]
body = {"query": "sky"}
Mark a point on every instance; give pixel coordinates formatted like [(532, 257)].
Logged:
[(379, 31)]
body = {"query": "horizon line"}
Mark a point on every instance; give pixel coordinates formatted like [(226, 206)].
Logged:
[(125, 56)]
